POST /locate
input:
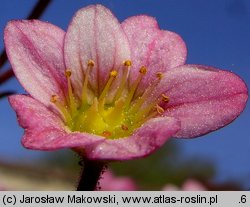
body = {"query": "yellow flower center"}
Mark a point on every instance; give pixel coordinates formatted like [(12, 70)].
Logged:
[(115, 119)]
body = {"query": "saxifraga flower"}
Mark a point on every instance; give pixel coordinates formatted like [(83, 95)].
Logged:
[(113, 91)]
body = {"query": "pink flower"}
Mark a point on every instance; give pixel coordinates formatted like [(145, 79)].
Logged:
[(113, 91), (189, 185), (3, 188), (109, 182)]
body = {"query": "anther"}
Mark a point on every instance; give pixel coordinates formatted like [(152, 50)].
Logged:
[(143, 70), (127, 63), (106, 134), (165, 98), (91, 63), (53, 99), (124, 127), (67, 73), (113, 73), (159, 75), (159, 109)]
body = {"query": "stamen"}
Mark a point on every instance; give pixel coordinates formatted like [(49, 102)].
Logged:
[(165, 98), (72, 101), (68, 73), (106, 134), (113, 74), (146, 94), (159, 109), (127, 65), (153, 114), (112, 118), (142, 99), (62, 109), (53, 99), (90, 65), (159, 75), (143, 71), (124, 127)]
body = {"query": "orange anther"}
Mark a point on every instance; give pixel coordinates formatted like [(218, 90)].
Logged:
[(53, 98), (124, 127), (106, 133), (159, 75), (143, 70), (127, 63), (68, 73), (159, 109), (91, 63), (113, 73), (165, 98)]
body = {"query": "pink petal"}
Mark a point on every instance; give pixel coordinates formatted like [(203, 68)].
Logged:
[(170, 187), (152, 135), (202, 98), (193, 185), (109, 182), (189, 185), (44, 130), (156, 49), (34, 49), (96, 34)]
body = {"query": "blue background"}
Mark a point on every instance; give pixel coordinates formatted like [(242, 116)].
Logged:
[(216, 33)]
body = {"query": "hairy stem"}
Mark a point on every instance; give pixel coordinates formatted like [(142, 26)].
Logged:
[(90, 175)]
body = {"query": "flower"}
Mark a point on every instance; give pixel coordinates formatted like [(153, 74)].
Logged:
[(2, 188), (113, 91), (109, 182), (188, 185)]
